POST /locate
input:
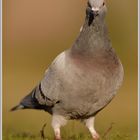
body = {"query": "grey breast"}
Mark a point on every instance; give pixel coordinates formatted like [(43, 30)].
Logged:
[(82, 88)]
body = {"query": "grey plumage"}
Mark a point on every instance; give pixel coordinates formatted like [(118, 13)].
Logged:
[(82, 80)]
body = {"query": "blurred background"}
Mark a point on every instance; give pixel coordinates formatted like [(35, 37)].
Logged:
[(36, 31)]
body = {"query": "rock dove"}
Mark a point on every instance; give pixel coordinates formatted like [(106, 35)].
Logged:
[(82, 80)]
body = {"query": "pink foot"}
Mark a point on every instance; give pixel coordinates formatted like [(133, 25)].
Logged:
[(57, 138), (96, 136)]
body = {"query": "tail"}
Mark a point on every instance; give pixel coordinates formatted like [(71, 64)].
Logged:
[(25, 103), (18, 107), (29, 101), (32, 102)]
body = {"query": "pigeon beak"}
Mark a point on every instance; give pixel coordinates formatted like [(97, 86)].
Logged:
[(95, 11)]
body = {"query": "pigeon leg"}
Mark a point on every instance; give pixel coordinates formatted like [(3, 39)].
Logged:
[(57, 122), (89, 123)]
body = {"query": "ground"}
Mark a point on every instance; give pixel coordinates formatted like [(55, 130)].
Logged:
[(79, 136)]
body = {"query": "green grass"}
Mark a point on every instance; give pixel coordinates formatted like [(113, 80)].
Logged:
[(65, 136)]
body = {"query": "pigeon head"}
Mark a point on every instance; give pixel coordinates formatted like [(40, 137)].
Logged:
[(96, 8), (96, 5)]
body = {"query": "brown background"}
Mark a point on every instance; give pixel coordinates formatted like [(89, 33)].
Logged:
[(36, 31)]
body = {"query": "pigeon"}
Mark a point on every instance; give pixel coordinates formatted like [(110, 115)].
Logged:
[(82, 80)]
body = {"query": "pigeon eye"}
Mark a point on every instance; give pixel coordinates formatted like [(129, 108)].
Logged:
[(103, 3)]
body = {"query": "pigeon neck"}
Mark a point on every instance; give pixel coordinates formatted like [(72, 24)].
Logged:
[(92, 37)]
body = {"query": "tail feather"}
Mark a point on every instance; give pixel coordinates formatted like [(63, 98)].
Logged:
[(18, 107), (35, 100)]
